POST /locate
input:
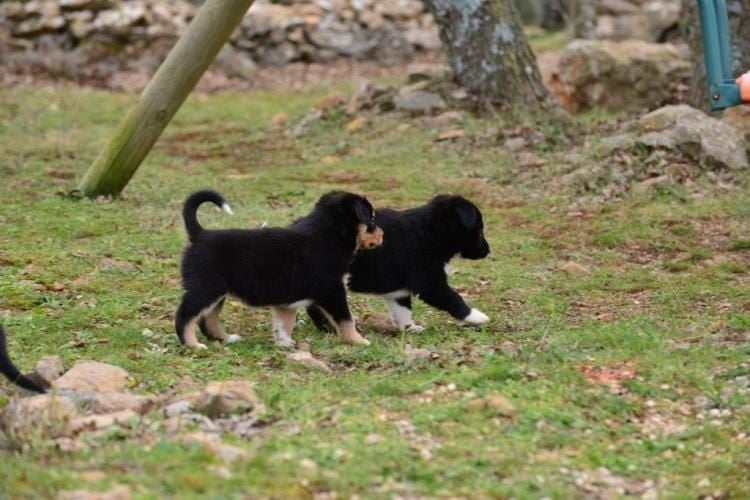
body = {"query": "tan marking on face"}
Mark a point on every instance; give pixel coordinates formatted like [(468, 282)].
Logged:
[(368, 241), (348, 332)]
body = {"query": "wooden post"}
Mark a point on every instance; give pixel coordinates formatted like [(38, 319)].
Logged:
[(160, 100)]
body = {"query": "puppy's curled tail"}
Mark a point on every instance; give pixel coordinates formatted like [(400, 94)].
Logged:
[(190, 210), (9, 369)]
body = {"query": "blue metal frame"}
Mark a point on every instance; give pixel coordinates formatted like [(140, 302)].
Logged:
[(722, 90)]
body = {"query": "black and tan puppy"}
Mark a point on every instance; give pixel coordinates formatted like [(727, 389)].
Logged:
[(413, 260), (284, 268)]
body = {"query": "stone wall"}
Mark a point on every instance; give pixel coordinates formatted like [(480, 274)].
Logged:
[(108, 35), (648, 20)]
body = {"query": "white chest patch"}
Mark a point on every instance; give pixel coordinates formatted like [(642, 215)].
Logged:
[(346, 279), (299, 304), (398, 294), (447, 269)]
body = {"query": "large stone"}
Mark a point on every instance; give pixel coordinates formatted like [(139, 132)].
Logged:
[(109, 402), (689, 131), (710, 141), (92, 376), (49, 368), (625, 76), (90, 423), (45, 414), (648, 20), (226, 397)]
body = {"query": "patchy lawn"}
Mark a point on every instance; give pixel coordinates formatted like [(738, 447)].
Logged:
[(620, 325)]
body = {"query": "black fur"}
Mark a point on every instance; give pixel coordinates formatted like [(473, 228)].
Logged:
[(419, 243), (272, 266), (9, 369)]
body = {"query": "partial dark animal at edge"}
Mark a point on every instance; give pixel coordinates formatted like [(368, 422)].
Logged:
[(9, 369), (413, 260), (284, 268)]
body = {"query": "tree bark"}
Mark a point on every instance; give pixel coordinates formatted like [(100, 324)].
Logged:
[(490, 55), (739, 19)]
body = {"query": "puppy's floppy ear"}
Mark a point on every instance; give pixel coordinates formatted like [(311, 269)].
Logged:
[(467, 215), (362, 210)]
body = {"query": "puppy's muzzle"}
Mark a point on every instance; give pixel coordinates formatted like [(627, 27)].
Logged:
[(369, 238)]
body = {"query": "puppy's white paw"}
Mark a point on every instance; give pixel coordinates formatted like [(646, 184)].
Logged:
[(414, 328), (199, 346), (476, 317), (286, 342), (232, 339)]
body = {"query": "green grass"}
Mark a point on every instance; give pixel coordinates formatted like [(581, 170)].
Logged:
[(666, 296)]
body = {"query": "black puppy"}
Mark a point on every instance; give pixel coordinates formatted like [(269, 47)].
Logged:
[(8, 369), (285, 268), (413, 260)]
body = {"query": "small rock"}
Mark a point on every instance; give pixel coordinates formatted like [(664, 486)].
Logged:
[(119, 492), (445, 119), (226, 397), (650, 183), (98, 422), (515, 144), (575, 269), (236, 63), (416, 353), (496, 403), (429, 72), (211, 443), (372, 438), (119, 265), (109, 402), (308, 465), (305, 358), (178, 408), (362, 98), (93, 376), (49, 368), (420, 101)]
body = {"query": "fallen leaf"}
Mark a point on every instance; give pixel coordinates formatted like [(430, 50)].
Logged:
[(306, 359), (449, 135)]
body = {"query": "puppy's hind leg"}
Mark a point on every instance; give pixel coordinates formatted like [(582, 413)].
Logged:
[(319, 318), (400, 309), (211, 325), (192, 308), (283, 324), (334, 304)]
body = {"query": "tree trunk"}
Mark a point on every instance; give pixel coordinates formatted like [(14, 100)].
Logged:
[(739, 19), (165, 93), (489, 54)]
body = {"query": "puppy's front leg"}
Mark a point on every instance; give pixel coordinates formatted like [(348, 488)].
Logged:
[(444, 297), (400, 310), (283, 324), (334, 305)]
